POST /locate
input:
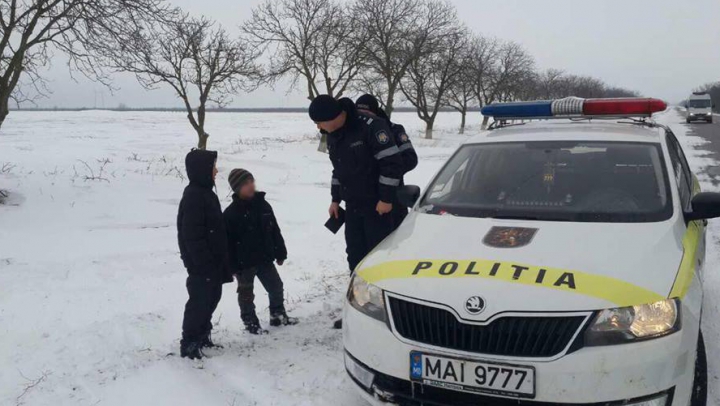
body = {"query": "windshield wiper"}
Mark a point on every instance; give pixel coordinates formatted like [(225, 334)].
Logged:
[(526, 217), (513, 217)]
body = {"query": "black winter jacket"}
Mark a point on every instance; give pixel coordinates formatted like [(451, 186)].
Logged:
[(254, 237), (201, 229), (407, 151), (366, 160)]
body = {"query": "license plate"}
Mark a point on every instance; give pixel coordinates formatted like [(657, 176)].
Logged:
[(471, 376)]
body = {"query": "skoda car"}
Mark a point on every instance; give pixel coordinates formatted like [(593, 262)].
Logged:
[(556, 258)]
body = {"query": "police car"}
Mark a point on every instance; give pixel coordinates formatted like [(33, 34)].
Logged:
[(548, 262)]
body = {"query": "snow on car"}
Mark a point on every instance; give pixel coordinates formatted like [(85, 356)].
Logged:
[(554, 261)]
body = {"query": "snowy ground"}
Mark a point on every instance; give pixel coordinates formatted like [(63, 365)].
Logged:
[(92, 288), (91, 285)]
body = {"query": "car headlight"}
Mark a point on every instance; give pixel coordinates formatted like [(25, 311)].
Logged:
[(367, 298), (627, 324)]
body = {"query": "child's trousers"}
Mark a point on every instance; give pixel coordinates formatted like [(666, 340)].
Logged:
[(270, 279)]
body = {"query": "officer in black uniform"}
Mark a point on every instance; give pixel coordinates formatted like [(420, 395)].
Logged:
[(368, 104), (366, 172)]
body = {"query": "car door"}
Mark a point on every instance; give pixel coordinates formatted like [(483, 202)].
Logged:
[(688, 186)]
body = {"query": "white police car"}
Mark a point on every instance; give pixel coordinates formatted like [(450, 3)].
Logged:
[(548, 262)]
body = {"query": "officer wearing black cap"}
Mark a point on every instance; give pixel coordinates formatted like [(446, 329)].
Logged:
[(367, 169), (368, 104)]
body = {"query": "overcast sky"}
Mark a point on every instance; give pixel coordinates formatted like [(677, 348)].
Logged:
[(662, 48)]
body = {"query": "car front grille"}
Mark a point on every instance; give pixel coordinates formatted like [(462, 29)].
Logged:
[(526, 336)]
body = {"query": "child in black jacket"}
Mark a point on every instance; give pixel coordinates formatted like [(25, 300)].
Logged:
[(254, 243), (203, 248)]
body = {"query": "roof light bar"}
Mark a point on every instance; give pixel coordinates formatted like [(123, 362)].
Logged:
[(575, 107)]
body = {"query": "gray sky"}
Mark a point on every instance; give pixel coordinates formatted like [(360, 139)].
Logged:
[(662, 48)]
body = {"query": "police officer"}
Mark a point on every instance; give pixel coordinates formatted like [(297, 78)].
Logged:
[(368, 104), (366, 172)]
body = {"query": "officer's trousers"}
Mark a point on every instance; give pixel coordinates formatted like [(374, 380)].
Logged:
[(364, 229)]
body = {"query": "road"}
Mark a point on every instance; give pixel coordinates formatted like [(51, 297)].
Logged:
[(711, 133)]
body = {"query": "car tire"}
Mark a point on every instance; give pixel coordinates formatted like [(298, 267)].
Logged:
[(687, 121), (699, 388)]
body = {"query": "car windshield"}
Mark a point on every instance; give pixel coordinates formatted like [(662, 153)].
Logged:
[(700, 103), (554, 181)]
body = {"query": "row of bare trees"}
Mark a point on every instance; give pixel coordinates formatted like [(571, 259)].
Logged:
[(416, 49), (159, 43), (32, 31)]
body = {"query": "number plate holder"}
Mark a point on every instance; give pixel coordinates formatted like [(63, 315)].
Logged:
[(479, 377)]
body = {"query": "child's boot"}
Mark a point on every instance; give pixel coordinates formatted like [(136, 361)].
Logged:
[(282, 319), (255, 328)]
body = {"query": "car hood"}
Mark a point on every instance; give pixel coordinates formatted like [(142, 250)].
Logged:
[(550, 266)]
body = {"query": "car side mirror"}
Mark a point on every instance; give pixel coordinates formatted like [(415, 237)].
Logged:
[(704, 206), (408, 195)]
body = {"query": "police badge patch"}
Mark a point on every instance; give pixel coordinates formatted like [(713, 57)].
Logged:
[(382, 137), (509, 237)]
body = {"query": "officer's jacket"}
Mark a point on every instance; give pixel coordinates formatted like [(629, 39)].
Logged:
[(407, 152), (366, 160)]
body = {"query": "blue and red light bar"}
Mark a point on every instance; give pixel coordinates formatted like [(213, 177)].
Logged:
[(573, 107)]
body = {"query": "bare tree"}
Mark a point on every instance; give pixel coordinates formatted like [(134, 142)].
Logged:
[(583, 86), (31, 31), (193, 56), (316, 41), (555, 84), (460, 93), (399, 32), (549, 84), (514, 69), (615, 91), (483, 58), (429, 78)]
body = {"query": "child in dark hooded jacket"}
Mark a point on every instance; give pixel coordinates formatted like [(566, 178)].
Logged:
[(254, 243), (203, 248)]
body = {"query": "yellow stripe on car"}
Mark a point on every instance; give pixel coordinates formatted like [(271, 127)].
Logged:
[(613, 290), (685, 275), (696, 186), (690, 242)]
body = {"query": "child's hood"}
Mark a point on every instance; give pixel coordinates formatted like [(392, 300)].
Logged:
[(199, 165)]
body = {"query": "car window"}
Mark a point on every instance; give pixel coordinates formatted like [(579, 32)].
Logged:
[(682, 173), (554, 181), (452, 179), (700, 103)]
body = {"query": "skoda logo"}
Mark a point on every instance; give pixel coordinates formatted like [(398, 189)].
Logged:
[(475, 305)]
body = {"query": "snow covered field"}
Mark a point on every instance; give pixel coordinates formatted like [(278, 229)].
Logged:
[(91, 283)]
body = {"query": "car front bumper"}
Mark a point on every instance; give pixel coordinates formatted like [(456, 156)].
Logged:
[(378, 362), (701, 116)]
